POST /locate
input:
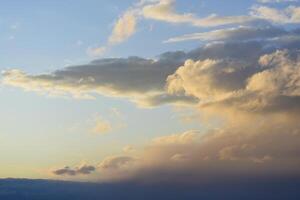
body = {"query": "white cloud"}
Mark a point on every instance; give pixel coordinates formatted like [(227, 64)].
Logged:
[(183, 138), (101, 126), (116, 162), (137, 79), (289, 15), (164, 10), (128, 149), (237, 33), (124, 28), (96, 51)]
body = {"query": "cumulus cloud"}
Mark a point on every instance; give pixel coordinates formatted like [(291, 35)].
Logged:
[(173, 77), (289, 15), (140, 80), (270, 82)]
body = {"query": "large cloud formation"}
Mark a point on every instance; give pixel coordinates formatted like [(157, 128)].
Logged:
[(143, 80), (272, 85), (140, 80), (253, 85)]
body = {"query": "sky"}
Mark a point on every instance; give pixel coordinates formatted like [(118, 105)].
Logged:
[(108, 91)]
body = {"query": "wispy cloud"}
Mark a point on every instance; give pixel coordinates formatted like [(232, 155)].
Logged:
[(276, 1), (124, 28), (289, 15), (164, 10), (234, 34)]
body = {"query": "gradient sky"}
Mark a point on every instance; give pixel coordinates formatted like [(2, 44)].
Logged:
[(52, 128)]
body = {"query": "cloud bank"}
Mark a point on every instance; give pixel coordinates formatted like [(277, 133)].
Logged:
[(252, 84)]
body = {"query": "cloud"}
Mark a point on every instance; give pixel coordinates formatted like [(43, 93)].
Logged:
[(223, 66), (289, 15), (101, 126), (81, 170), (184, 138), (124, 28), (128, 149), (209, 79), (253, 88), (268, 81), (233, 34), (247, 78), (96, 51), (116, 162), (276, 1), (164, 11), (260, 146), (140, 80)]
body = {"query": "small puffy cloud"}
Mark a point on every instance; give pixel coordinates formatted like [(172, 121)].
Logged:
[(124, 28), (116, 162), (164, 10), (128, 149), (281, 75), (101, 126), (81, 170), (289, 15), (96, 51), (183, 138), (86, 169)]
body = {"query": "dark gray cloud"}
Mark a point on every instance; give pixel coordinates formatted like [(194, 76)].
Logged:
[(82, 170)]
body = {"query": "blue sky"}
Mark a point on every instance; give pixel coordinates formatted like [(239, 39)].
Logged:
[(47, 35)]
